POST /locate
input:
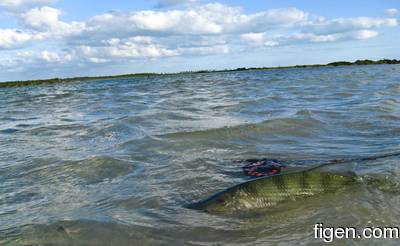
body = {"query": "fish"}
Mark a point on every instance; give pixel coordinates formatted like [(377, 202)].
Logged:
[(270, 191)]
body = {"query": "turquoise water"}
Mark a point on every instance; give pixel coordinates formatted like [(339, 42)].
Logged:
[(114, 162)]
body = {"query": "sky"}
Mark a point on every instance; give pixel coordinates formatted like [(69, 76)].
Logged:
[(42, 39)]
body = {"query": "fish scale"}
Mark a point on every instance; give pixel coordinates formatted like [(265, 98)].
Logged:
[(270, 191)]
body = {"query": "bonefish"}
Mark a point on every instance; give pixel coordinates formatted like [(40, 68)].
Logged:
[(269, 191)]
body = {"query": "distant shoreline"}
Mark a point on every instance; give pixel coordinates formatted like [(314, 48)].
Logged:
[(141, 75)]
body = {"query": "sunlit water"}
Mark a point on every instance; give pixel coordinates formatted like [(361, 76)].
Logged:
[(114, 162)]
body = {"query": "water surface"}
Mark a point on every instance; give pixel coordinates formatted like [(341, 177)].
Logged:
[(115, 161)]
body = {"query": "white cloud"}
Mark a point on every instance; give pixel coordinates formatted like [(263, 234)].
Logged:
[(35, 57), (392, 12), (147, 47), (20, 5), (187, 31), (155, 33), (147, 22), (171, 3), (259, 39), (358, 35), (204, 50), (46, 19), (12, 39), (134, 50), (133, 47), (24, 54), (7, 63), (274, 18), (254, 37), (174, 22), (98, 60), (364, 34), (342, 25), (209, 19), (49, 56)]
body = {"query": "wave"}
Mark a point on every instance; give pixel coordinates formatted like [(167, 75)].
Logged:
[(97, 169), (303, 127), (85, 232), (86, 171)]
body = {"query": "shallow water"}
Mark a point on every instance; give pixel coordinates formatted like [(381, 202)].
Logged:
[(114, 162)]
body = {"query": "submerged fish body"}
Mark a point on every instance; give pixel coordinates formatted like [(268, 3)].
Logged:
[(269, 191)]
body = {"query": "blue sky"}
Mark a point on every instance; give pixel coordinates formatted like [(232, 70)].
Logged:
[(60, 38)]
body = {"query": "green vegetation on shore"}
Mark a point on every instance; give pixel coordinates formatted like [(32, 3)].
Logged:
[(77, 79)]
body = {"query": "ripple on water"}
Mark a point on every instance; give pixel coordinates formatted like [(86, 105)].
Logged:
[(87, 171), (115, 161), (9, 130), (299, 127), (89, 233), (98, 169)]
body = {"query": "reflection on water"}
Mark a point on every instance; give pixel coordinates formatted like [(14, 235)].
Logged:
[(115, 161)]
